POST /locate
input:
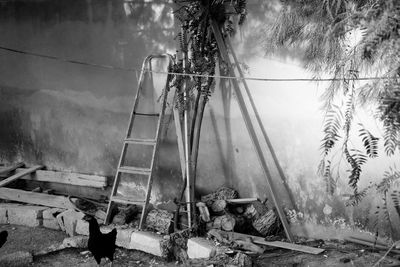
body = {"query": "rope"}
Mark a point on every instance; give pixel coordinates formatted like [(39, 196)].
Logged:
[(192, 74)]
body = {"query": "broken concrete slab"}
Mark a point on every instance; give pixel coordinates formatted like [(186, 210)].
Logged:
[(26, 215), (52, 213), (68, 221), (78, 241), (123, 234), (148, 242), (51, 224), (82, 227), (123, 237), (3, 211), (199, 247), (50, 218), (16, 259)]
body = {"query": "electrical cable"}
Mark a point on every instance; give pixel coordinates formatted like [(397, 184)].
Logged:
[(193, 74)]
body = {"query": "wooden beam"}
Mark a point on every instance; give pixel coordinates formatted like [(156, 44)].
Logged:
[(291, 246), (250, 127), (370, 244), (6, 170), (70, 178), (241, 200), (19, 175), (35, 198), (260, 241)]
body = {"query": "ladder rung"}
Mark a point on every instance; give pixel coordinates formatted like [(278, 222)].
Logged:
[(140, 141), (146, 114), (134, 170), (120, 199)]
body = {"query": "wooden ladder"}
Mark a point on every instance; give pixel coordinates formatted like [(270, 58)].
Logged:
[(153, 142)]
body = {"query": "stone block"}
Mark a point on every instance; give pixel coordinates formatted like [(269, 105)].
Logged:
[(68, 221), (78, 241), (3, 211), (26, 215), (52, 213), (147, 242), (51, 224), (199, 247), (82, 227), (123, 235)]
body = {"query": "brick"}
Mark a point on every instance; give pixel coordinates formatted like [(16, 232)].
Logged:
[(26, 215), (199, 247), (68, 221), (147, 242)]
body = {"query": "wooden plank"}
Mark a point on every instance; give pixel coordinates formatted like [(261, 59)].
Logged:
[(19, 175), (260, 241), (6, 170), (370, 244), (241, 200), (35, 198), (250, 128), (70, 178), (291, 246)]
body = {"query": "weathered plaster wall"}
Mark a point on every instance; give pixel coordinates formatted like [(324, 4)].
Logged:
[(69, 116), (73, 117)]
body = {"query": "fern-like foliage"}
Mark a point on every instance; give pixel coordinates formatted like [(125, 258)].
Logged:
[(389, 177), (395, 195), (357, 197), (370, 142), (331, 129), (324, 31), (330, 182), (356, 159)]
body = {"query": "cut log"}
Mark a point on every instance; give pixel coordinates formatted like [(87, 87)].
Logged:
[(225, 222), (159, 220), (255, 210), (203, 210), (218, 206), (267, 224), (241, 260), (4, 171), (69, 178), (19, 175), (222, 193), (35, 198)]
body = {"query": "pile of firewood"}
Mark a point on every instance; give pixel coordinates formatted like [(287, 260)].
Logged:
[(223, 210)]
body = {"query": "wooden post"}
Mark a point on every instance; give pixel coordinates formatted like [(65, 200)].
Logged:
[(250, 127)]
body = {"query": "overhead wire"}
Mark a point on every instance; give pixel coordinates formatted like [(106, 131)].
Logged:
[(260, 79)]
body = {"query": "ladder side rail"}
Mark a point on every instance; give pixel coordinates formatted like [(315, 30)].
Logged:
[(125, 144), (156, 146)]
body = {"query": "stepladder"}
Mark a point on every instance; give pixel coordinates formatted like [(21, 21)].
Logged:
[(144, 134)]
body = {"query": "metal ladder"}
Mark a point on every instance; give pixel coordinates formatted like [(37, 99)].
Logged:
[(147, 172)]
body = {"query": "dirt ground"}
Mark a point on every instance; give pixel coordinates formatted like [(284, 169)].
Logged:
[(23, 238)]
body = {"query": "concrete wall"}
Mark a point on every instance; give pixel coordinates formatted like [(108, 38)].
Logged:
[(73, 117)]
